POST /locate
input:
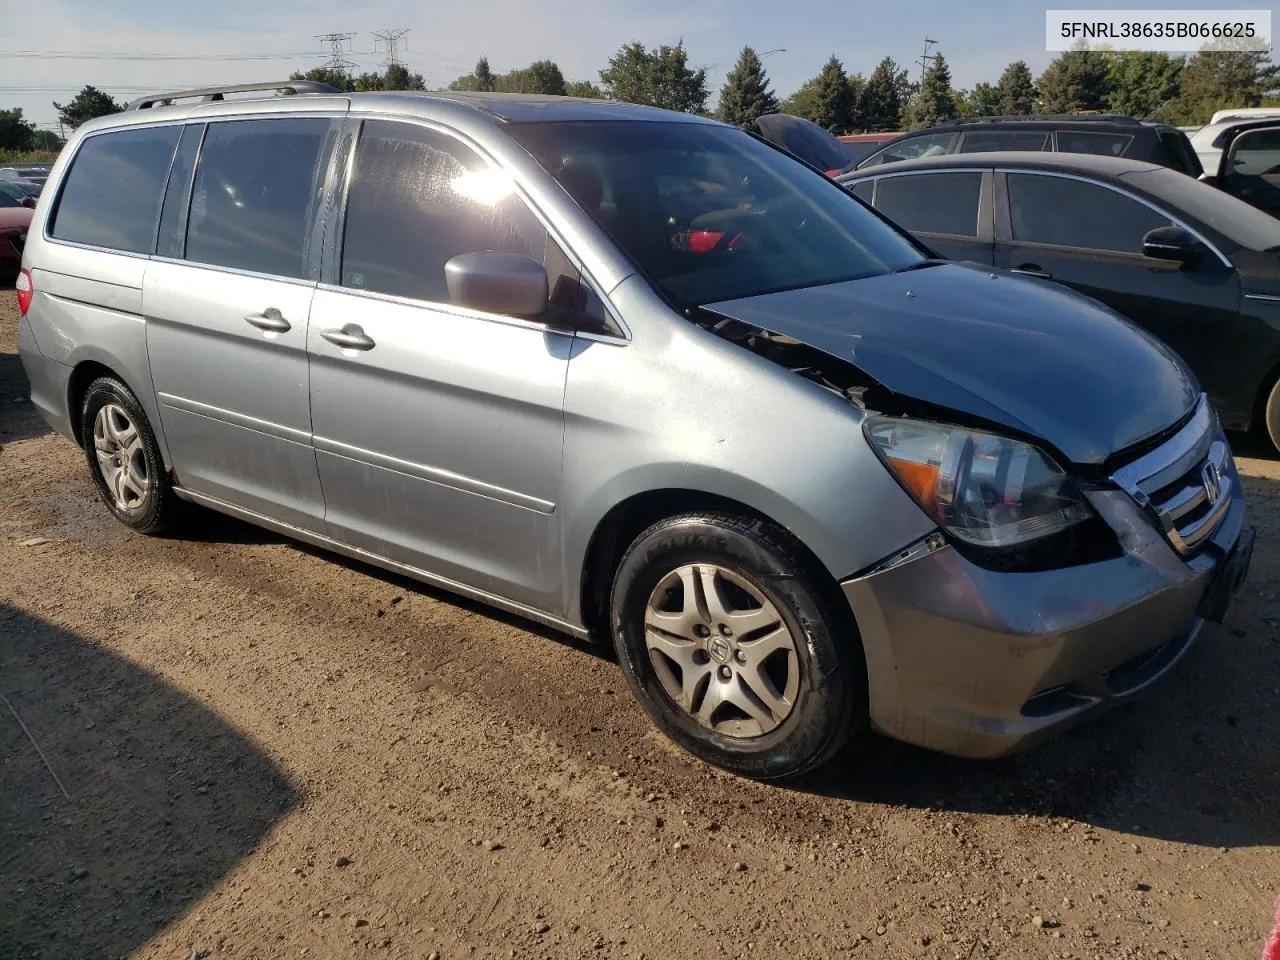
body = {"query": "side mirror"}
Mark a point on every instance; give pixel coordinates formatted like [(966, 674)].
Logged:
[(510, 284), (1171, 243)]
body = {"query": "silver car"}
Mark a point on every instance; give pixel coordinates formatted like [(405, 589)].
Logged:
[(637, 374)]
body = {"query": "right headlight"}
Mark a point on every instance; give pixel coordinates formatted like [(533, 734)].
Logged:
[(984, 489)]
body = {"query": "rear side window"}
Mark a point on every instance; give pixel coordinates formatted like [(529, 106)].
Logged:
[(912, 148), (932, 202), (1072, 213), (1103, 144), (997, 140), (418, 198), (863, 190), (254, 190), (111, 197)]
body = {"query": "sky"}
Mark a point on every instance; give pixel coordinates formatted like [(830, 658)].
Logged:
[(130, 47)]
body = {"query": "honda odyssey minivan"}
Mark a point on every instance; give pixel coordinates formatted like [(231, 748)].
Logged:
[(639, 374)]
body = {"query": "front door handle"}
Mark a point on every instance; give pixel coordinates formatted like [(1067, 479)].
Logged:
[(350, 337), (270, 320), (1031, 270)]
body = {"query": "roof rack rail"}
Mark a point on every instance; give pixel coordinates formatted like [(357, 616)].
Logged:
[(1050, 117), (209, 94)]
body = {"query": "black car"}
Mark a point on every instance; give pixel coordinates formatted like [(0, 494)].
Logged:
[(804, 139), (1103, 135), (1197, 267)]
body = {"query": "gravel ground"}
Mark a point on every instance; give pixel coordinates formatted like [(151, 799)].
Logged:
[(255, 749)]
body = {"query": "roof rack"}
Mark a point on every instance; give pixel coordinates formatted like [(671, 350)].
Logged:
[(210, 94), (1050, 117)]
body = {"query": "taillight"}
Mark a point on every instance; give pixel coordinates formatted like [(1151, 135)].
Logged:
[(26, 290)]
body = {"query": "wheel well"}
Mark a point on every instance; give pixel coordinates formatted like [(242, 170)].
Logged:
[(83, 375), (628, 519)]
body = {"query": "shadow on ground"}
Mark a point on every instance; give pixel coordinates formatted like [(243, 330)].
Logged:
[(164, 797), (19, 420)]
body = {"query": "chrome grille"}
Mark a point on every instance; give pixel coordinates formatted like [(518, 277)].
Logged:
[(1185, 483)]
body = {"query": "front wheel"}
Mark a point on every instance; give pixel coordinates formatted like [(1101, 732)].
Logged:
[(733, 646), (124, 458), (1271, 417)]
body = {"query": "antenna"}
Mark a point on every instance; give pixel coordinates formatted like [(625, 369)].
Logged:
[(390, 40), (338, 44)]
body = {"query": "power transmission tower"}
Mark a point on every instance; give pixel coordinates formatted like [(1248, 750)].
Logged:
[(390, 39), (927, 58), (338, 44)]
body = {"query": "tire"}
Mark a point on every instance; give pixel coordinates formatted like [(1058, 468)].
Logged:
[(723, 696), (1271, 417), (112, 418)]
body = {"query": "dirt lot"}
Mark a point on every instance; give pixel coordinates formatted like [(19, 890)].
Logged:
[(269, 752)]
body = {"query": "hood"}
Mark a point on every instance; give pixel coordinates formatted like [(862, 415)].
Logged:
[(1031, 356), (11, 217)]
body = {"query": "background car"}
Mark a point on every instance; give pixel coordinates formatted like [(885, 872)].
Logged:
[(805, 139), (1103, 134), (1193, 265), (1248, 163), (15, 195), (14, 222), (859, 146), (1207, 141)]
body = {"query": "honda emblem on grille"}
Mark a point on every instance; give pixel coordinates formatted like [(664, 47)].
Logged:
[(1212, 480)]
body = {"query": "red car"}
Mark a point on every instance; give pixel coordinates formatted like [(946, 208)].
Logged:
[(14, 222)]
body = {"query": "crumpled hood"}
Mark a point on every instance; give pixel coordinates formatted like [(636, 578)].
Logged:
[(1032, 356)]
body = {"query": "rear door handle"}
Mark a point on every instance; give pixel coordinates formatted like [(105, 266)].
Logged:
[(270, 320), (1031, 270), (350, 337)]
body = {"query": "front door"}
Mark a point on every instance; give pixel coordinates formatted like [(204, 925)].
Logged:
[(438, 430), (1088, 236), (948, 210), (1251, 168), (227, 310)]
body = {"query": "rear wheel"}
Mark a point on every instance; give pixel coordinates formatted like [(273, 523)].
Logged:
[(734, 648), (1271, 416), (124, 458)]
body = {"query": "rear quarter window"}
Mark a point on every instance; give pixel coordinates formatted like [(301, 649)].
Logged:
[(111, 196), (1102, 144)]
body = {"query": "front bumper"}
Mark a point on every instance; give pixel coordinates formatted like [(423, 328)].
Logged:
[(981, 663)]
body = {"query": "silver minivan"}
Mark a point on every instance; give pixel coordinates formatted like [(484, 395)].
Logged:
[(635, 373)]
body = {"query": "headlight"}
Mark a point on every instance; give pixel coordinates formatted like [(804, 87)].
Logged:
[(984, 489)]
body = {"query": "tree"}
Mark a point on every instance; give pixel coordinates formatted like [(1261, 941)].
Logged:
[(16, 133), (1076, 80), (541, 76), (398, 77), (1215, 79), (1016, 92), (745, 96), (832, 98), (658, 78), (85, 105), (1142, 83), (483, 76), (334, 78), (883, 96), (583, 88), (935, 103), (984, 100)]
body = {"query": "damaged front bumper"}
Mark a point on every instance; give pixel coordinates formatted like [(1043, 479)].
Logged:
[(982, 663)]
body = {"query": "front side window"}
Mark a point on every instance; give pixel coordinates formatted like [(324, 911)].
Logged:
[(1102, 144), (998, 140), (255, 187), (709, 213), (1073, 213), (417, 199), (112, 194), (932, 202), (912, 148)]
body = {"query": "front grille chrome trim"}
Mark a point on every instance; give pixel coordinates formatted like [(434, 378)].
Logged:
[(1163, 465)]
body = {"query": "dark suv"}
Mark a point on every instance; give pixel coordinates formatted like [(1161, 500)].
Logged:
[(1102, 134)]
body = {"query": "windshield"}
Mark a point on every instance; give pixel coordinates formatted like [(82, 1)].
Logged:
[(1242, 224), (709, 213)]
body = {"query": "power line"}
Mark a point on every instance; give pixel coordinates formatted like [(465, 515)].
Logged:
[(390, 40), (77, 55)]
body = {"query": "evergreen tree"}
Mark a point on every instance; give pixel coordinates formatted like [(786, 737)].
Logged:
[(745, 96), (935, 102), (1016, 92), (1078, 79), (90, 102), (483, 76), (833, 99), (882, 97), (16, 132), (1143, 83), (1216, 79)]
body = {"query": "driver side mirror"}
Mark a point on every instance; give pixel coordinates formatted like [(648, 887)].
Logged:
[(509, 284), (1171, 243)]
